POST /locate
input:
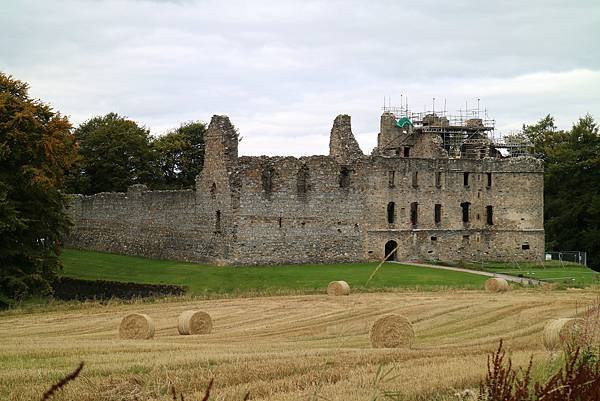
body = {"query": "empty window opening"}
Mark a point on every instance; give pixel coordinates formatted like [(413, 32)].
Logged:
[(437, 213), (391, 179), (344, 178), (414, 213), (302, 180), (525, 246), (280, 221), (213, 190), (466, 179), (489, 214), (478, 216), (433, 239), (465, 211), (218, 221), (438, 179), (390, 250), (267, 179), (415, 179), (489, 180), (391, 212), (406, 151)]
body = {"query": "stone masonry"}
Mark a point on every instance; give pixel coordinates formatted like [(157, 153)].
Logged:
[(344, 207)]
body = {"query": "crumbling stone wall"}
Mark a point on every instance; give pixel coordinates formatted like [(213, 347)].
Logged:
[(337, 208)]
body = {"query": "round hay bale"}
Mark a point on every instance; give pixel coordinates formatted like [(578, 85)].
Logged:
[(392, 331), (338, 288), (137, 326), (496, 284), (563, 332), (194, 322)]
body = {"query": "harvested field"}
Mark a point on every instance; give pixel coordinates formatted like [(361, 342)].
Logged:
[(278, 348)]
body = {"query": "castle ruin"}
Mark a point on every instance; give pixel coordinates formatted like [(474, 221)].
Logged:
[(434, 189)]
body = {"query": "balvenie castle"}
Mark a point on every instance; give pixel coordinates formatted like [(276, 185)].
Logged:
[(435, 187)]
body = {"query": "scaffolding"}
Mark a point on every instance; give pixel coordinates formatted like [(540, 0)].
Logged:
[(470, 133)]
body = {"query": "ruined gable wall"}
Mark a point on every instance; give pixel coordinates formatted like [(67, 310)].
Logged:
[(316, 223)]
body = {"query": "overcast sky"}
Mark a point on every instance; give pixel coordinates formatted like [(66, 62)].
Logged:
[(283, 70)]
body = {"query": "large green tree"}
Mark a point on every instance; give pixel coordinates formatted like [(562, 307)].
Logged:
[(36, 147), (571, 184), (115, 152), (180, 155)]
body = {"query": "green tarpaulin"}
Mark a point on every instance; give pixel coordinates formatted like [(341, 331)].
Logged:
[(404, 121)]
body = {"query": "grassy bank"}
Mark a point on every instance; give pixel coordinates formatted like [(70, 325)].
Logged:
[(207, 279)]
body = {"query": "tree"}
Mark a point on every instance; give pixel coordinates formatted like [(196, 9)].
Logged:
[(571, 185), (114, 153), (36, 147), (180, 155)]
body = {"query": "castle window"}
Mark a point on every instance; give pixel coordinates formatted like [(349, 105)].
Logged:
[(489, 180), (280, 221), (438, 179), (437, 213), (414, 213), (218, 221), (466, 179), (302, 180), (433, 239), (391, 212), (406, 151), (213, 190), (415, 179), (391, 179), (344, 178), (489, 213), (525, 246), (267, 179), (465, 211)]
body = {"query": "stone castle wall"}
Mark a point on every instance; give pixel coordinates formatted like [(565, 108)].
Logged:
[(336, 208)]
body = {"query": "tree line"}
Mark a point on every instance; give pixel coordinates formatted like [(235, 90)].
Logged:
[(43, 158)]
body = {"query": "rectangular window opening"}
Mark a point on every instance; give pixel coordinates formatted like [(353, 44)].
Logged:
[(218, 221), (391, 179), (525, 246), (434, 239), (437, 215), (391, 212), (414, 213), (415, 179), (489, 214), (438, 179), (406, 151), (465, 211), (466, 179), (344, 178), (489, 180)]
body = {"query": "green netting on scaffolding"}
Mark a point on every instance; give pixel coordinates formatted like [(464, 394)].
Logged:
[(404, 121)]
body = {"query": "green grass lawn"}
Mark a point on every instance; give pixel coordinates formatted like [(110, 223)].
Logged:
[(207, 279), (568, 274)]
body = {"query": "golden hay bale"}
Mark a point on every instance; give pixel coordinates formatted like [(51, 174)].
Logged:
[(338, 288), (496, 284), (194, 322), (563, 332), (136, 326), (392, 331)]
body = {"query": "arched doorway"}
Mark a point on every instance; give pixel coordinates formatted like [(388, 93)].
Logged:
[(390, 250)]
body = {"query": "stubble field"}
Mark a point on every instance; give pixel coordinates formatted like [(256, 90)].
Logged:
[(278, 348)]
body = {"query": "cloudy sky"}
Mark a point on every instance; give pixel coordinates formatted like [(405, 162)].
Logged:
[(283, 70)]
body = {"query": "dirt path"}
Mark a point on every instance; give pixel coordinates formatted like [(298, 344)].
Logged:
[(514, 279)]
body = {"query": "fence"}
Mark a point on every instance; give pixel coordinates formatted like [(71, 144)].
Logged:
[(578, 257)]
